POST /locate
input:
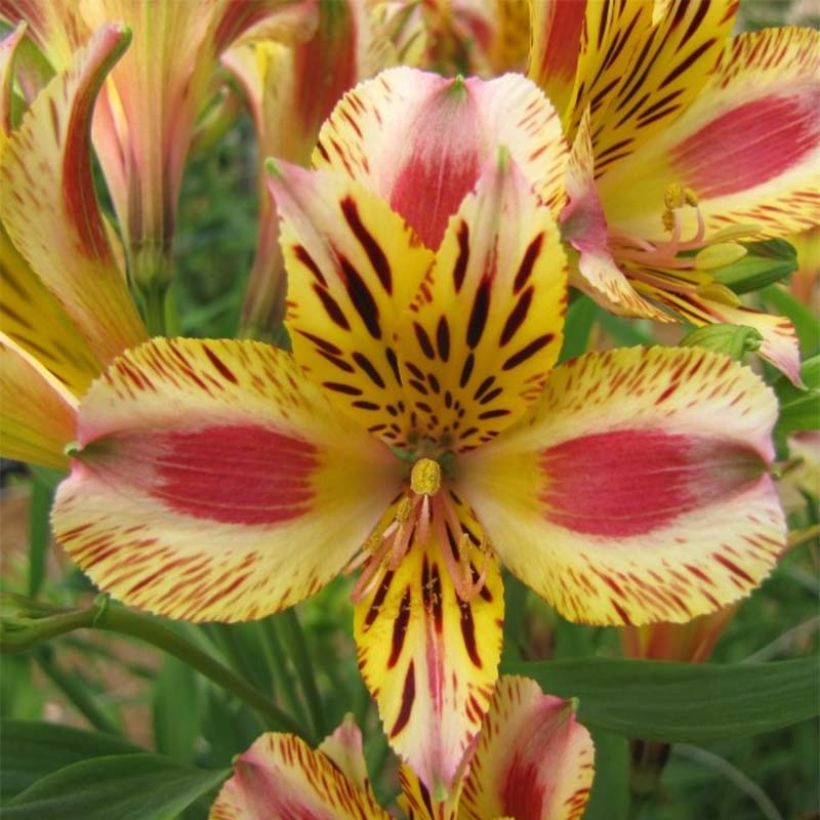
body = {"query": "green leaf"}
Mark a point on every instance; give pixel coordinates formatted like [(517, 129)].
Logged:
[(800, 409), (42, 494), (804, 320), (127, 787), (764, 264), (176, 710), (681, 702), (609, 799), (731, 340), (581, 317), (30, 750)]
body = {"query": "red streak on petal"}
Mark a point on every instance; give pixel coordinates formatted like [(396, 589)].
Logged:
[(560, 57), (748, 145), (235, 474), (442, 164), (522, 794), (631, 482)]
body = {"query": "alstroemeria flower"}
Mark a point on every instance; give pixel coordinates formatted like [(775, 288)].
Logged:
[(291, 90), (418, 431), (147, 109), (66, 308), (470, 37), (684, 142), (532, 761)]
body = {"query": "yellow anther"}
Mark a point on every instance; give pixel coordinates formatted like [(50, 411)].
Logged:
[(673, 196), (690, 197), (403, 510), (668, 220), (425, 478)]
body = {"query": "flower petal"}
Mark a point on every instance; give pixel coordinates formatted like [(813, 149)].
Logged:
[(421, 141), (8, 51), (487, 325), (50, 211), (780, 344), (214, 482), (280, 777), (749, 146), (37, 413), (37, 322), (429, 658), (638, 489), (344, 748), (353, 266), (533, 759), (637, 75), (584, 226)]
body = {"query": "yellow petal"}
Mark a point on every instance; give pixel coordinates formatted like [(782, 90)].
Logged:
[(637, 74), (37, 413), (638, 489), (487, 326), (213, 482), (280, 778), (353, 266), (50, 210), (748, 146), (428, 657), (533, 759)]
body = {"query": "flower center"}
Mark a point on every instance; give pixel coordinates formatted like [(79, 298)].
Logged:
[(425, 514), (678, 264)]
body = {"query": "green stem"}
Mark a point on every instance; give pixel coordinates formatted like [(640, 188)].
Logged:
[(153, 302), (296, 644), (75, 692), (28, 623), (123, 621)]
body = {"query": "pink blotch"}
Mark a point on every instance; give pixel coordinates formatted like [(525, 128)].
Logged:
[(748, 145)]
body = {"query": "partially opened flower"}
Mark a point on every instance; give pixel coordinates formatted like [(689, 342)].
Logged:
[(684, 142), (291, 90), (67, 311), (532, 761), (147, 109), (418, 431)]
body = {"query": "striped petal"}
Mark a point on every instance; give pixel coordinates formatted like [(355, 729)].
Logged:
[(280, 778), (353, 267), (344, 747), (428, 657), (533, 759), (780, 344), (584, 226), (51, 214), (487, 325), (641, 65), (420, 141), (749, 146), (37, 413), (212, 481), (638, 489)]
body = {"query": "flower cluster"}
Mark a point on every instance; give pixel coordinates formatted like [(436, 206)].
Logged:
[(419, 234)]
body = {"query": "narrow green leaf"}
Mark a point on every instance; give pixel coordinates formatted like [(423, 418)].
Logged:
[(177, 705), (610, 788), (30, 750), (39, 534), (127, 786), (680, 702)]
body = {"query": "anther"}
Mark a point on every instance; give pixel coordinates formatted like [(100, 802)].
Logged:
[(425, 477)]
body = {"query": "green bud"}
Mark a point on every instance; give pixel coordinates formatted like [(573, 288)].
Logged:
[(764, 264), (731, 340)]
